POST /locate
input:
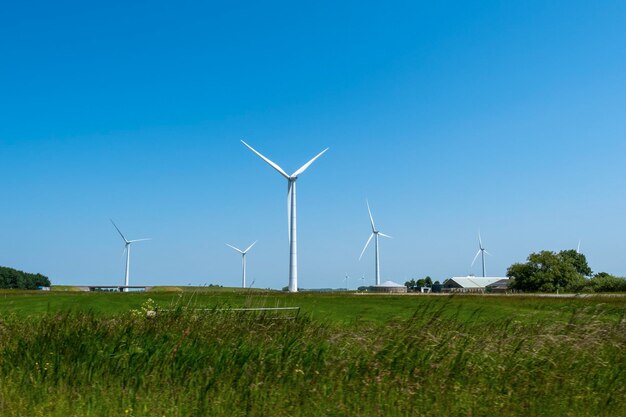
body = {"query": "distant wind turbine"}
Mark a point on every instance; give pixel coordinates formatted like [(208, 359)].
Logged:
[(127, 244), (481, 251), (243, 261), (291, 213), (578, 247), (375, 232)]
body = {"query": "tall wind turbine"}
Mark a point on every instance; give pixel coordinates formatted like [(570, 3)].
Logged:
[(375, 232), (291, 213), (481, 251), (243, 261), (127, 244)]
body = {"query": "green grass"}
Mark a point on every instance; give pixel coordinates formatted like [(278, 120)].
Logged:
[(340, 308), (87, 354)]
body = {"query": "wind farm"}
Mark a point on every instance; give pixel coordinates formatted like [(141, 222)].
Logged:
[(145, 269)]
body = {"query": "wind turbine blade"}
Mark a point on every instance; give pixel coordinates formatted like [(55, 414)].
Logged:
[(118, 230), (238, 250), (139, 240), (368, 242), (272, 164), (308, 164), (250, 247), (371, 218), (578, 247), (475, 257), (480, 241), (384, 235), (487, 253)]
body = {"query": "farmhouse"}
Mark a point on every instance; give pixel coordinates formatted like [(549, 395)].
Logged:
[(473, 284)]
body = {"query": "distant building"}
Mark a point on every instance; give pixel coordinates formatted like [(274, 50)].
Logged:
[(389, 287), (471, 284), (501, 286)]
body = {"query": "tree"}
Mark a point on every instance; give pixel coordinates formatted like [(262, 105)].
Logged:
[(578, 260), (414, 285), (13, 278), (547, 271)]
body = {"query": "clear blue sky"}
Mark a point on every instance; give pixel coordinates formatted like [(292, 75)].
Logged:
[(449, 116)]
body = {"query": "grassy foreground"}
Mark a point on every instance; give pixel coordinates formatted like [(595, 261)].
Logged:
[(450, 356)]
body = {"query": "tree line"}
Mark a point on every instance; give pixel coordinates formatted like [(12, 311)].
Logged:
[(13, 278)]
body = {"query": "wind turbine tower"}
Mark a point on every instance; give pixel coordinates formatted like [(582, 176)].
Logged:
[(375, 233), (291, 213), (481, 251), (243, 261), (127, 244)]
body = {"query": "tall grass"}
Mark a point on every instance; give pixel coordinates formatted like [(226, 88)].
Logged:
[(215, 363)]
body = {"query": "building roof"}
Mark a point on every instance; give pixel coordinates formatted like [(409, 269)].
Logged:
[(389, 284), (502, 283), (475, 282)]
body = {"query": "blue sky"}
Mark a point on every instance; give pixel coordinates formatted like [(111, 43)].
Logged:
[(448, 117)]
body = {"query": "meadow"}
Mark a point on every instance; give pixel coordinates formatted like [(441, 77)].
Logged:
[(103, 354)]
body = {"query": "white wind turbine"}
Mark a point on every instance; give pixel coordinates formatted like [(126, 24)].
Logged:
[(481, 251), (375, 232), (243, 261), (127, 244), (291, 213), (578, 247)]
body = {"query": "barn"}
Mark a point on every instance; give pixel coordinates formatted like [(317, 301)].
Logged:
[(471, 284)]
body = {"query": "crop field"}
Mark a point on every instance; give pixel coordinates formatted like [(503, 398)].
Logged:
[(107, 354)]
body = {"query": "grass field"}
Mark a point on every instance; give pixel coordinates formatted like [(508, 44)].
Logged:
[(98, 354)]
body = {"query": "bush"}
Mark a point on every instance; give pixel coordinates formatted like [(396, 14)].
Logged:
[(604, 282)]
